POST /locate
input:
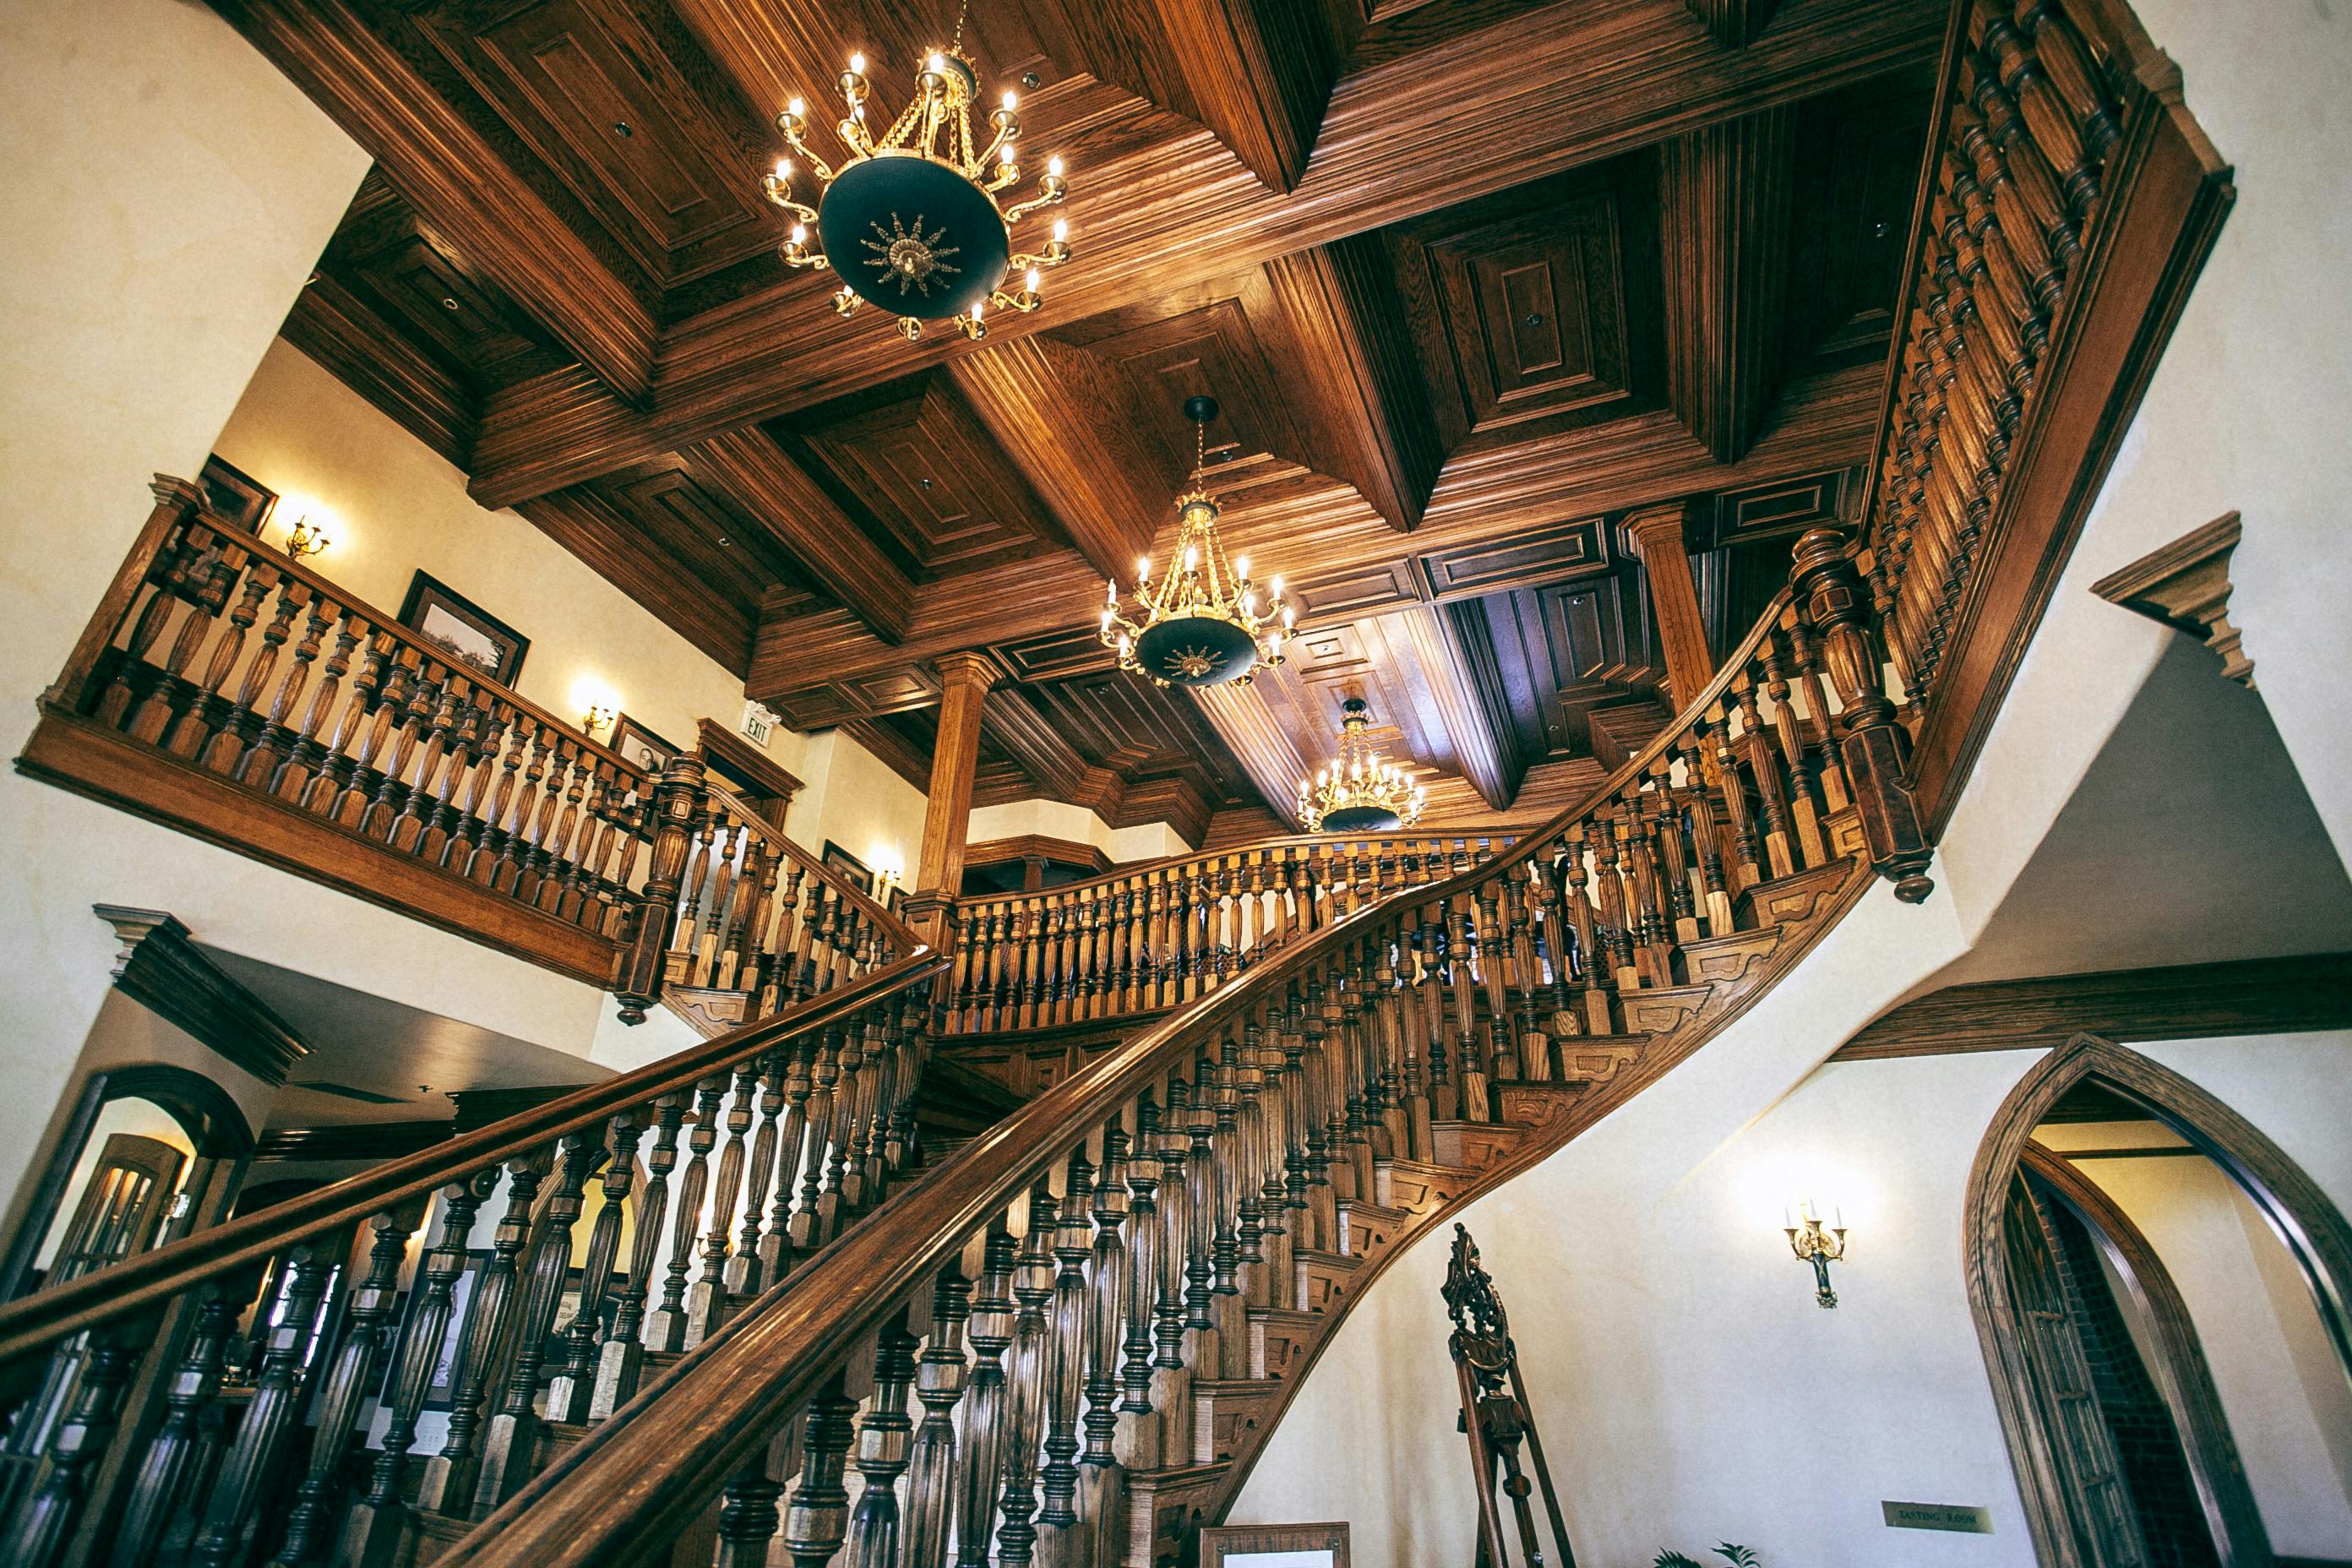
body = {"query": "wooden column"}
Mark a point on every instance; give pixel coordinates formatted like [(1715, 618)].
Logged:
[(1656, 536), (964, 680)]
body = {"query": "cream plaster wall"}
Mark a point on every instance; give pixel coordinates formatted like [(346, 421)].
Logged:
[(1060, 819), (396, 507), (2223, 1256)]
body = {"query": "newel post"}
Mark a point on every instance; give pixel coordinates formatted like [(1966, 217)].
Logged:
[(678, 800), (1875, 748)]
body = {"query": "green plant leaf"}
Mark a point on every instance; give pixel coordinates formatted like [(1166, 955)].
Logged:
[(1672, 1560), (1738, 1556)]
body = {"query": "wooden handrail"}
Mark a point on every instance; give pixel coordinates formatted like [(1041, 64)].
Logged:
[(632, 1483), (1285, 841), (149, 1279)]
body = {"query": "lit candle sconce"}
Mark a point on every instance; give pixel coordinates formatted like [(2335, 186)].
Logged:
[(1817, 1244), (599, 718), (306, 537)]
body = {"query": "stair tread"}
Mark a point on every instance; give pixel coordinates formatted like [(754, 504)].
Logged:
[(1370, 1210), (1235, 1386), (1329, 1259), (1165, 1475), (1291, 1315)]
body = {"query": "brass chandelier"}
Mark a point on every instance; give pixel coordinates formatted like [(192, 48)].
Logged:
[(1202, 622), (911, 220), (1358, 793)]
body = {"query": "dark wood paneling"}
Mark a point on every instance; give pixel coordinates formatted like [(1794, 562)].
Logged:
[(2187, 1000)]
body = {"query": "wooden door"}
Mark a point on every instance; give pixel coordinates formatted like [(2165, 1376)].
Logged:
[(122, 1206), (2106, 1531)]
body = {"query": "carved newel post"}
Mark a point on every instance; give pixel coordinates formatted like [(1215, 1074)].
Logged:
[(677, 795), (1876, 749)]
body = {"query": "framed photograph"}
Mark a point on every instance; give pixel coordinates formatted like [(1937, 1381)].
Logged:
[(1274, 1546), (641, 745), (836, 858), (440, 1389), (463, 629), (236, 497)]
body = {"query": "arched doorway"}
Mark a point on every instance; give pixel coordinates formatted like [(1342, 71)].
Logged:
[(2124, 1456)]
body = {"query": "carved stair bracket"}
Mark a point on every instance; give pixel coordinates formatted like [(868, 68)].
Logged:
[(2186, 585), (162, 969)]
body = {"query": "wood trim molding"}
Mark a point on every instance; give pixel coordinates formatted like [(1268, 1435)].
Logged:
[(76, 754), (370, 1141), (2178, 1001), (715, 740), (2186, 585), (162, 969), (2303, 1215), (2181, 1374), (1027, 845)]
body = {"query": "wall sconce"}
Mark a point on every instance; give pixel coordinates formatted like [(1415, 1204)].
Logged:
[(306, 538), (599, 717), (1817, 1244)]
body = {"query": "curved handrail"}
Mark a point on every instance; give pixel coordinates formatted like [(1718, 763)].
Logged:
[(1284, 841), (632, 1482), (150, 1278)]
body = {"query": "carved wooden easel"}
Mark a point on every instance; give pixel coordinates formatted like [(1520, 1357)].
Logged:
[(1494, 1413)]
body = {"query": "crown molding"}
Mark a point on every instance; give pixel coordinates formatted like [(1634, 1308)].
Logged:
[(162, 969)]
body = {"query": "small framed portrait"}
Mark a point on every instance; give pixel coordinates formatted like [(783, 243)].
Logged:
[(463, 629), (836, 858), (235, 497), (640, 745), (1274, 1546)]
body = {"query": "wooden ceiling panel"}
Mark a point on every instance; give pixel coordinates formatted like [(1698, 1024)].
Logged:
[(1525, 305), (938, 492), (611, 108), (1857, 169), (710, 539)]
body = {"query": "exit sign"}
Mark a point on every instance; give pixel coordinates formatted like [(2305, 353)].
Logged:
[(758, 723)]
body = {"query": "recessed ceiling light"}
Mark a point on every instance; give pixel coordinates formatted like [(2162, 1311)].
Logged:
[(447, 303)]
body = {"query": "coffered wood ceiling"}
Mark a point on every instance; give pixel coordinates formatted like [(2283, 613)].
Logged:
[(1471, 279)]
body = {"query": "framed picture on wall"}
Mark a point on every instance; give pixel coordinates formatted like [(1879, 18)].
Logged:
[(640, 745), (235, 497), (836, 858), (1274, 1546), (463, 629)]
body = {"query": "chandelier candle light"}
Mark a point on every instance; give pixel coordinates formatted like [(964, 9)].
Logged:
[(1359, 793), (1202, 622), (911, 219)]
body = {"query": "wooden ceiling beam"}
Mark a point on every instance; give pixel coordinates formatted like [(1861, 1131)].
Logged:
[(1573, 84), (617, 550), (749, 466), (1044, 754), (460, 185), (1264, 748), (1723, 229), (1258, 74), (1825, 423), (1358, 385), (349, 337), (1736, 22), (1060, 415)]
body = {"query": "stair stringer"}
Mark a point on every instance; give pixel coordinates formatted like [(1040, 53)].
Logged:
[(1537, 1120)]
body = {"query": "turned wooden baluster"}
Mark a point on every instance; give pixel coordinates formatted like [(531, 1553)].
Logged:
[(933, 1471), (1065, 1361), (269, 1422), (621, 1363), (706, 1304), (570, 1396), (986, 1399), (774, 1248), (666, 1329), (808, 1222), (168, 1468), (447, 1483), (180, 579), (204, 708), (1025, 1372), (490, 840), (511, 1449), (43, 1526), (818, 1516), (883, 1436)]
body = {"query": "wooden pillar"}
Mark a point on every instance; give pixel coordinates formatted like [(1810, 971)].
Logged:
[(1656, 535), (964, 680)]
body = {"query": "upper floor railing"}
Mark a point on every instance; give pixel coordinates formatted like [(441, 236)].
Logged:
[(353, 749), (1148, 937)]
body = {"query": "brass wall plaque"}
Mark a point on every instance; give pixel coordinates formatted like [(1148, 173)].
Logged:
[(1964, 1517)]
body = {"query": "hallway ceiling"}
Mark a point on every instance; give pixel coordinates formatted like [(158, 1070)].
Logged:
[(1471, 278)]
